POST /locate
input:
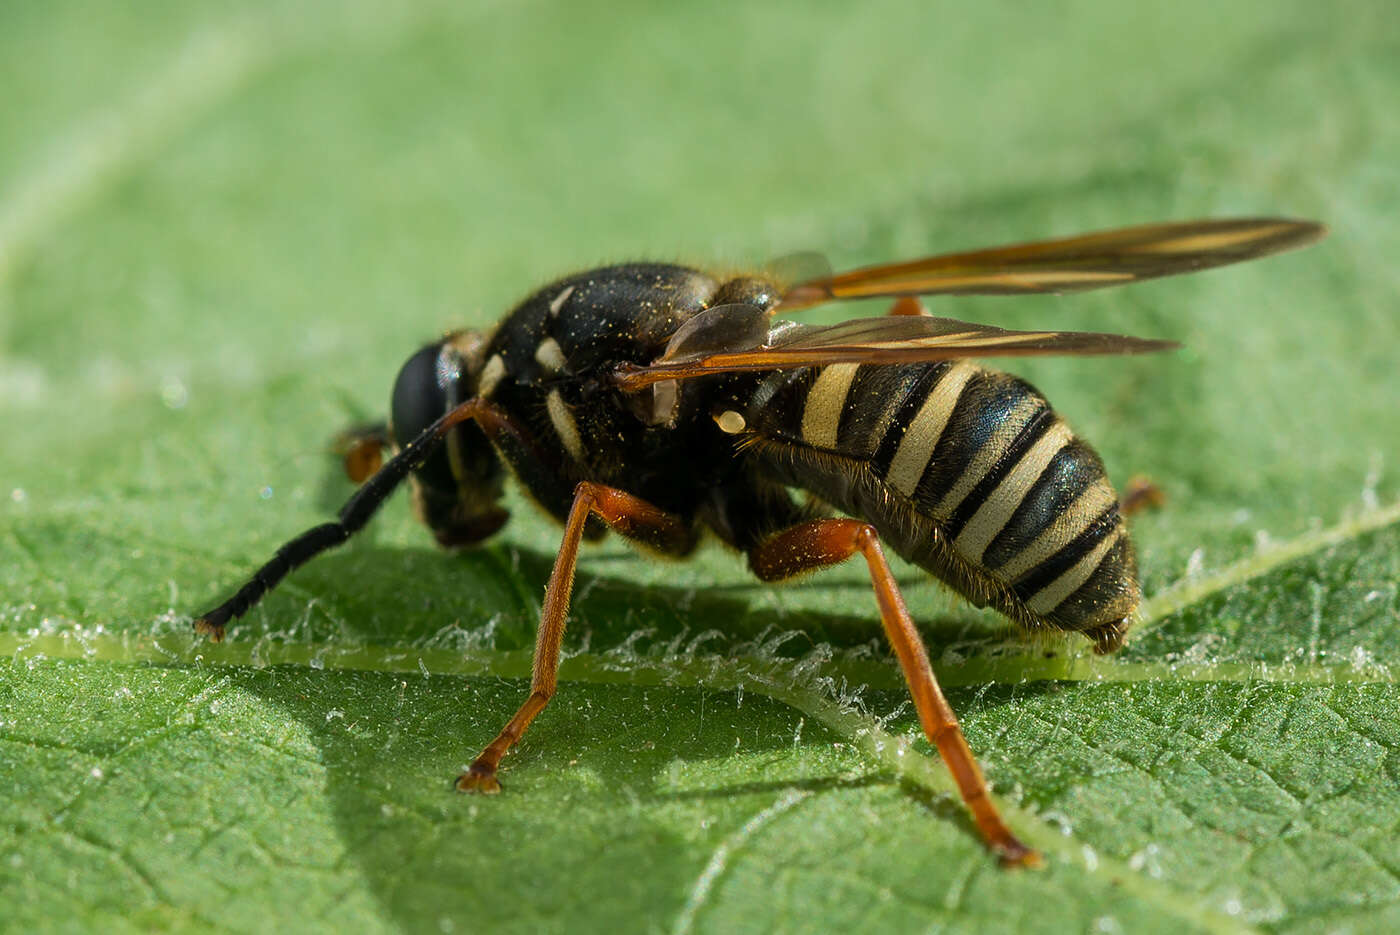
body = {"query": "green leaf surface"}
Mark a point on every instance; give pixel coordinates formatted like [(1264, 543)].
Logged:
[(223, 229)]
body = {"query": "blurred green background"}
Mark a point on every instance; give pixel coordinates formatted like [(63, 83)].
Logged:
[(223, 228)]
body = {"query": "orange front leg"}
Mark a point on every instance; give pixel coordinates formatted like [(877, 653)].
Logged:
[(828, 541), (626, 514)]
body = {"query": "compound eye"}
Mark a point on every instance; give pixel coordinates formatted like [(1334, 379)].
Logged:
[(422, 392)]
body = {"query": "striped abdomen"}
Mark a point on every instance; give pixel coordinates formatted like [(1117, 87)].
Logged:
[(967, 472)]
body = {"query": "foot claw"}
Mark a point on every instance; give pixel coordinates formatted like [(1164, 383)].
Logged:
[(479, 779), (1017, 854), (215, 631)]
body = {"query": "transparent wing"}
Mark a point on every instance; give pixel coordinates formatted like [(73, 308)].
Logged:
[(1072, 264), (888, 340)]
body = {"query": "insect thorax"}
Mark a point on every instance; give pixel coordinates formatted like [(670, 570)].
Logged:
[(548, 366)]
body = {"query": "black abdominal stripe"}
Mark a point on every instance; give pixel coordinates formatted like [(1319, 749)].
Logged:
[(985, 459)]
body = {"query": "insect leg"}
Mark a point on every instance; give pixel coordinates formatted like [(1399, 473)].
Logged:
[(826, 542), (362, 447), (357, 511), (1141, 495), (628, 515), (908, 305)]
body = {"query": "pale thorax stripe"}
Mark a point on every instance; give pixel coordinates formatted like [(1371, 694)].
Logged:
[(821, 415), (556, 303), (563, 421), (989, 454), (1053, 594), (995, 512), (550, 356), (490, 375), (923, 431), (1068, 526)]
